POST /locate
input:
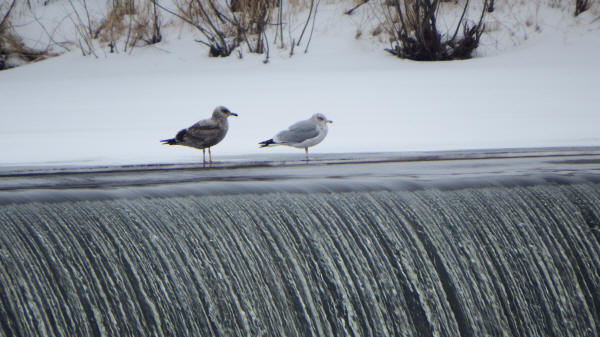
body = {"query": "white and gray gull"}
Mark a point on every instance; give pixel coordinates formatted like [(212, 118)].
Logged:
[(204, 133), (303, 134)]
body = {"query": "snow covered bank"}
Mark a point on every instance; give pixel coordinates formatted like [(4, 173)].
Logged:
[(114, 109)]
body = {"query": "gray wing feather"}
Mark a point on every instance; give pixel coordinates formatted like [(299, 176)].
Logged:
[(204, 128), (298, 133)]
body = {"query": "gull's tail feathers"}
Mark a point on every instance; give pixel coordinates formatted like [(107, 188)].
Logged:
[(177, 140)]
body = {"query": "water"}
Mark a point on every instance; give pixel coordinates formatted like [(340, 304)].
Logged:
[(485, 259), (482, 243)]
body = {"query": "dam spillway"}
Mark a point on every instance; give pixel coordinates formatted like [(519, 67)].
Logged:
[(455, 244)]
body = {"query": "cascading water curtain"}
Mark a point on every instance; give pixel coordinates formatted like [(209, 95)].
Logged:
[(494, 261)]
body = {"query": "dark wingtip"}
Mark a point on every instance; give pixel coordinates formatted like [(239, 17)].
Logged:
[(266, 143)]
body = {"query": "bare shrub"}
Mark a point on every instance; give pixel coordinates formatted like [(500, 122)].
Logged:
[(412, 25), (12, 49), (216, 25), (225, 25)]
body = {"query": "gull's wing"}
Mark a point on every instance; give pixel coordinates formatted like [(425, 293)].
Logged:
[(298, 133), (203, 128), (199, 132)]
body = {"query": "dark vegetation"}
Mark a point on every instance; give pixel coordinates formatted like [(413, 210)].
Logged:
[(582, 6), (413, 27)]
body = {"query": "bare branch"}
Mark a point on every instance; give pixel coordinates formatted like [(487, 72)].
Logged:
[(266, 60), (222, 17), (215, 31), (87, 13), (86, 36), (129, 29), (312, 28), (462, 17), (280, 22), (351, 10), (186, 20), (50, 36), (7, 14), (310, 11)]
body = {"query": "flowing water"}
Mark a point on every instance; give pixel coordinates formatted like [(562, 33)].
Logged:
[(493, 258)]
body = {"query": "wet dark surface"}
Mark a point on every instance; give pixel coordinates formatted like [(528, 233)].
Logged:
[(325, 172)]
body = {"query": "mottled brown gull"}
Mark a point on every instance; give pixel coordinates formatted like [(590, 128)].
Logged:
[(303, 134), (204, 133)]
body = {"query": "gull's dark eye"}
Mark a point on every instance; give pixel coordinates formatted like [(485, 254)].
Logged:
[(320, 118), (225, 111)]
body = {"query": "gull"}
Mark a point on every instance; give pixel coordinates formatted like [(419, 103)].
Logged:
[(204, 133), (303, 134)]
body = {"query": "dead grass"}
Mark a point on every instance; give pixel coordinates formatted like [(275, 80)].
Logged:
[(131, 23)]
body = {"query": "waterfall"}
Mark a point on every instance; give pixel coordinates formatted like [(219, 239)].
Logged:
[(519, 259)]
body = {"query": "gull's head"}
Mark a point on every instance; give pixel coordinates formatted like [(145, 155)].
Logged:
[(319, 118), (222, 112)]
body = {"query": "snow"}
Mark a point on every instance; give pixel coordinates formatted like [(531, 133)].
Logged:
[(525, 88)]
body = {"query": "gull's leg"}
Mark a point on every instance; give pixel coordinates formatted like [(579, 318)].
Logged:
[(203, 157), (306, 151), (209, 156)]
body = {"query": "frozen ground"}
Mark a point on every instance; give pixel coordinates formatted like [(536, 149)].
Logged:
[(526, 88)]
